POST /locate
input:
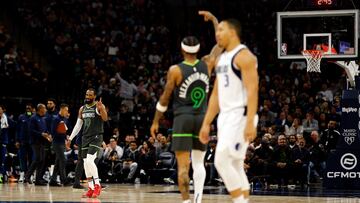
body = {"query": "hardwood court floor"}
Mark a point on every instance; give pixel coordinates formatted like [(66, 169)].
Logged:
[(15, 192)]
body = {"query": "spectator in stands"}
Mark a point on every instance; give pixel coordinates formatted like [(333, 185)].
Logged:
[(269, 115), (309, 125), (329, 137), (125, 120), (163, 147), (281, 122), (281, 161), (152, 141), (158, 140), (295, 128), (128, 139), (142, 121), (256, 143), (327, 93), (147, 160), (209, 163), (300, 161), (317, 161), (334, 115), (322, 122), (111, 159), (130, 161), (261, 163)]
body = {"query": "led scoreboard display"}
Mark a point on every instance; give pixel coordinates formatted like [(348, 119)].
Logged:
[(322, 3)]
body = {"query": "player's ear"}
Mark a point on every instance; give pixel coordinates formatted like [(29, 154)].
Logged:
[(232, 32)]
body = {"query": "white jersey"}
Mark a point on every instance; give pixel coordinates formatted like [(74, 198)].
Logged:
[(232, 93)]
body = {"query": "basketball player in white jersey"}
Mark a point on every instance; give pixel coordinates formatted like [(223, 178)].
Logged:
[(235, 98)]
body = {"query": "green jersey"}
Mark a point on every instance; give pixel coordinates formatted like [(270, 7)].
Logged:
[(190, 97), (93, 124)]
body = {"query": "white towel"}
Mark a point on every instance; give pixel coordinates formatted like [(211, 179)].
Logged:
[(4, 121)]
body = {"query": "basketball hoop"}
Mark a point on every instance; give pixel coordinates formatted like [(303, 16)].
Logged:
[(313, 58)]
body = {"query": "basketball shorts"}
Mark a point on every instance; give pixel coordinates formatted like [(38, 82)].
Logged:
[(91, 145), (231, 127), (186, 130)]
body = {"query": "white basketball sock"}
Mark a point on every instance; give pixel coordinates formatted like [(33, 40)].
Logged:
[(92, 168), (91, 183), (199, 175), (88, 174), (86, 169)]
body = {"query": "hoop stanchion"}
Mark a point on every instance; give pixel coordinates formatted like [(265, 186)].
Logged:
[(313, 58)]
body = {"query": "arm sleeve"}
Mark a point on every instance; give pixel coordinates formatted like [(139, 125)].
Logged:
[(76, 129)]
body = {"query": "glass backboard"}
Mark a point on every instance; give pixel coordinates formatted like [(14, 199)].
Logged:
[(335, 32)]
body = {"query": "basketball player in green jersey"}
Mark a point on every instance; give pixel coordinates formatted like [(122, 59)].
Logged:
[(91, 119), (188, 82)]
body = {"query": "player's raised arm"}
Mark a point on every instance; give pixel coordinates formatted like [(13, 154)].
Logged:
[(211, 112), (248, 67), (211, 58), (102, 110), (164, 100), (209, 17)]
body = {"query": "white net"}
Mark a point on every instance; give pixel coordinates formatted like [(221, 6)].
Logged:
[(313, 58)]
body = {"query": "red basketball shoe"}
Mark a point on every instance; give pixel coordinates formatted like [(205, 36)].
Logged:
[(97, 191), (89, 193)]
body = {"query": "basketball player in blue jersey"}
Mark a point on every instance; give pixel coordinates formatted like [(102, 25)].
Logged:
[(91, 119), (235, 98), (188, 82)]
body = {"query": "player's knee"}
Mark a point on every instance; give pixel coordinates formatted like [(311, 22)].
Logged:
[(183, 173), (219, 162), (198, 167)]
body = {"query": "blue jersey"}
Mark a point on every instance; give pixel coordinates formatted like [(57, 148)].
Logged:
[(22, 129)]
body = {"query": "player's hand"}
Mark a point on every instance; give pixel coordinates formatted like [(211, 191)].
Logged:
[(204, 134), (250, 132), (154, 129), (207, 15), (99, 105), (49, 138)]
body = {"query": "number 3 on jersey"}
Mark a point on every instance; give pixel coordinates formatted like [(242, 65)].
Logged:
[(226, 80)]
